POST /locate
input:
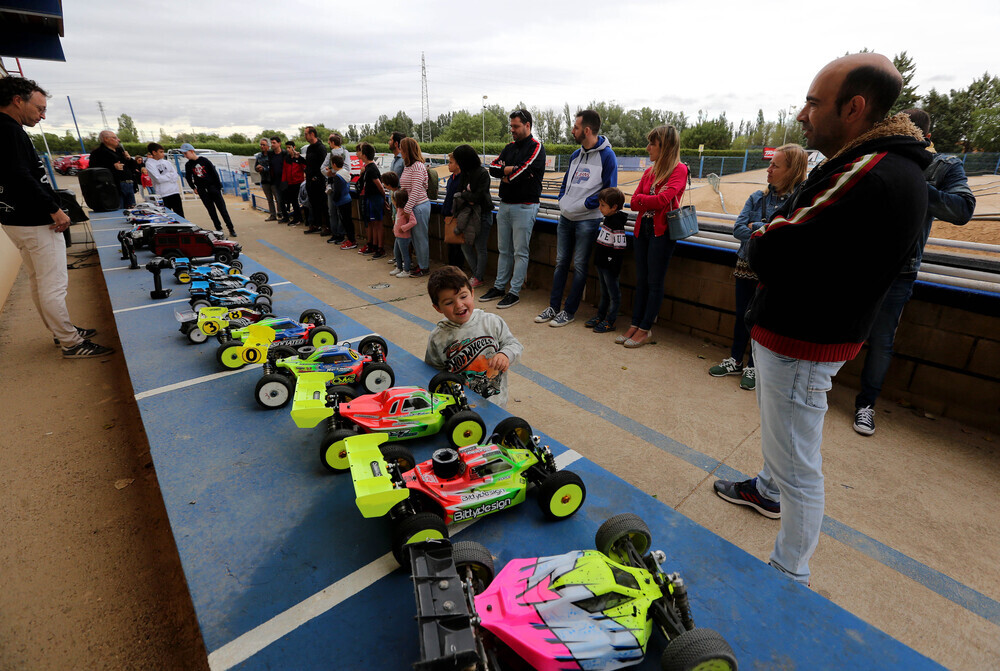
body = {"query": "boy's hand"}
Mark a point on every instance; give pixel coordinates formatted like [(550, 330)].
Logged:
[(498, 364)]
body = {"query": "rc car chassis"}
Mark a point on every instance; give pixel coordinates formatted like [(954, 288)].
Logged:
[(585, 609), (456, 485), (398, 413)]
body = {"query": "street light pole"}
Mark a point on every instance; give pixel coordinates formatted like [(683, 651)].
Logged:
[(484, 127)]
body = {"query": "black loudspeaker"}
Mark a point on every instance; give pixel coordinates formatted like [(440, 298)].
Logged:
[(99, 189), (68, 203)]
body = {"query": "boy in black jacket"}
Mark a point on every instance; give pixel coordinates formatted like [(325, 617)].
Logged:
[(609, 254), (825, 260), (204, 179)]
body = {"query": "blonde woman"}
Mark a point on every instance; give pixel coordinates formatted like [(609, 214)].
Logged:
[(786, 171), (659, 192)]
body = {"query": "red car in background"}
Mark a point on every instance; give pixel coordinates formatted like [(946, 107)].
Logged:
[(71, 164)]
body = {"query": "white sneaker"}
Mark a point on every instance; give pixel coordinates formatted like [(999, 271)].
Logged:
[(402, 273), (562, 319), (394, 272)]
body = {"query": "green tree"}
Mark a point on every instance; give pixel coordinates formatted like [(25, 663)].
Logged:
[(238, 138), (713, 133), (466, 127), (273, 133), (986, 129), (908, 97), (126, 129)]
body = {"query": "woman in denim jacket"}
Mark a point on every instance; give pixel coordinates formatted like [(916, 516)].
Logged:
[(786, 171)]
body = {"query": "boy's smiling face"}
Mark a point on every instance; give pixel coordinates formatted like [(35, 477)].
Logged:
[(456, 306)]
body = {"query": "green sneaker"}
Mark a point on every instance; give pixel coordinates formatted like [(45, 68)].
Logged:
[(749, 379), (727, 367)]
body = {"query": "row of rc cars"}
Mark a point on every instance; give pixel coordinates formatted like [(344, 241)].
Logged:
[(586, 609)]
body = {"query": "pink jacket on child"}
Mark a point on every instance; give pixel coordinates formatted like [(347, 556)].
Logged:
[(404, 222)]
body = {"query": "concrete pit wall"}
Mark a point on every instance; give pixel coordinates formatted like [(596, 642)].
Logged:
[(947, 347)]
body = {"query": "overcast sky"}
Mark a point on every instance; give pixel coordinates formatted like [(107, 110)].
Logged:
[(221, 65)]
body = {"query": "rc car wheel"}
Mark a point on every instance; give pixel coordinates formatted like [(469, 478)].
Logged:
[(259, 277), (281, 352), (333, 450), (183, 277), (513, 432), (376, 377), (312, 316), (261, 301), (171, 253), (344, 393), (200, 303), (561, 494), (238, 265), (264, 308), (230, 355), (251, 286), (197, 336), (413, 529), (442, 384), (223, 257), (619, 528), (274, 391), (472, 556), (265, 290), (368, 343), (320, 336), (465, 427), (399, 455), (700, 649)]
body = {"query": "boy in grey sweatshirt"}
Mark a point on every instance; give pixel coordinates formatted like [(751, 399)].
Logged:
[(474, 344)]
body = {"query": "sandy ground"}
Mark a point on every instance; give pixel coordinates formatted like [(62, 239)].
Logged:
[(92, 577)]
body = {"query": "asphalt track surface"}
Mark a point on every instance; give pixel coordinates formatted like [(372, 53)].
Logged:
[(285, 573)]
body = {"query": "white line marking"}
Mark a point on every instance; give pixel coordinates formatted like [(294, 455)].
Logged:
[(190, 383), (260, 637), (278, 284), (249, 644), (151, 305), (107, 246), (108, 270), (214, 376)]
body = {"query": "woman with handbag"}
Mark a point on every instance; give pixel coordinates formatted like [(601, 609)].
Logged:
[(658, 193), (414, 179), (452, 240), (473, 198), (786, 171)]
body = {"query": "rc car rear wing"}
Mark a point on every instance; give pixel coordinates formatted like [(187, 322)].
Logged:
[(309, 406), (447, 638), (374, 491)]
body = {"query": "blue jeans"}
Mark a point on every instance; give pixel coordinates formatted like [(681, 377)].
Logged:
[(514, 225), (421, 245), (880, 339), (127, 194), (652, 256), (401, 252), (574, 241), (791, 394), (611, 294), (336, 228)]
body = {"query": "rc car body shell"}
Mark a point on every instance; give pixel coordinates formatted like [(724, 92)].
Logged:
[(579, 610), (398, 413)]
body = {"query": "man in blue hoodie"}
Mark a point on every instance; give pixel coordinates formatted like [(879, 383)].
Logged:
[(592, 167)]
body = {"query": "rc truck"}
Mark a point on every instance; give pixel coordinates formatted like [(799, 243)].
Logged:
[(365, 367), (399, 413), (586, 609), (456, 485), (270, 338), (210, 321)]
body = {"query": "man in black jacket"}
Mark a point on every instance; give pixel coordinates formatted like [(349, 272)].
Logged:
[(31, 217), (825, 260), (316, 183), (519, 167), (111, 155), (204, 179)]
